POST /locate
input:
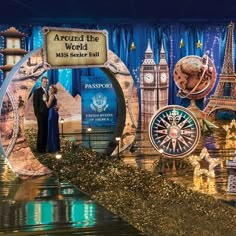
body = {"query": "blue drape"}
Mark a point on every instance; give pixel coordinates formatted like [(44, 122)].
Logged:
[(120, 37)]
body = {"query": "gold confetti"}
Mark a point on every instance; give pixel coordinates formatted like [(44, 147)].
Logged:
[(155, 205)]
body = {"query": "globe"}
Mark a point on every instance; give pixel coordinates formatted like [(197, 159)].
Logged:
[(194, 76)]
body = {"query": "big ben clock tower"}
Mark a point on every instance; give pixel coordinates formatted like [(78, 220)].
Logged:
[(163, 80), (148, 88)]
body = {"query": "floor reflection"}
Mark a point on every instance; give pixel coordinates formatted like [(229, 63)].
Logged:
[(42, 206)]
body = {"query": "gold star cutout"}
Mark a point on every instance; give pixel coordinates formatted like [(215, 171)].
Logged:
[(205, 185), (199, 44), (132, 46), (204, 164), (230, 134), (181, 43)]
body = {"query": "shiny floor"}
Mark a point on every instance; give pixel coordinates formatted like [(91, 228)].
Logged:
[(42, 206), (220, 144)]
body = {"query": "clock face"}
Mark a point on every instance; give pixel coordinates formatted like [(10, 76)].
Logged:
[(163, 77), (148, 77), (174, 130)]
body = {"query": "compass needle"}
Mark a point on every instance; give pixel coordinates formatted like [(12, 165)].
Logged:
[(174, 144), (187, 132), (166, 139)]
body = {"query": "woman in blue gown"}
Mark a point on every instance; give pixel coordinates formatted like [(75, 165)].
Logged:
[(53, 142)]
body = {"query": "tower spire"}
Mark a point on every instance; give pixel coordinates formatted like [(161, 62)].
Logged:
[(162, 55), (228, 64), (149, 57), (148, 50)]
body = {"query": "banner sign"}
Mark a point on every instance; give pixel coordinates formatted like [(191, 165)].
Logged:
[(74, 48)]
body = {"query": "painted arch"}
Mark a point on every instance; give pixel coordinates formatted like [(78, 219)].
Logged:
[(19, 83)]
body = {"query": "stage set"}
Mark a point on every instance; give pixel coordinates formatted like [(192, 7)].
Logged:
[(161, 103)]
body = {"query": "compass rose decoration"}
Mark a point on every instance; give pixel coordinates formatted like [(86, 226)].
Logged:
[(175, 130)]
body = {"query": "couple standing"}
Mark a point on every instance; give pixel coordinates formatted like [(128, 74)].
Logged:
[(46, 112)]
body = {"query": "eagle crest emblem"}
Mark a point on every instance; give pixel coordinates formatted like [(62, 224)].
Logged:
[(99, 103)]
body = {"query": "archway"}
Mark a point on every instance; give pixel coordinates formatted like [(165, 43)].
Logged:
[(20, 82)]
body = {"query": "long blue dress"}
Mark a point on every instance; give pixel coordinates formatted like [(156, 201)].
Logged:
[(53, 142)]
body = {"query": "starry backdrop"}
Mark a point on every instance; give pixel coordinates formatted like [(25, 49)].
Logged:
[(129, 42)]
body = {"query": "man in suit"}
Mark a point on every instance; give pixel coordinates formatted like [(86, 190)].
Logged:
[(41, 112)]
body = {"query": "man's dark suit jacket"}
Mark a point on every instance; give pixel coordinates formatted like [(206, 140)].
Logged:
[(40, 108)]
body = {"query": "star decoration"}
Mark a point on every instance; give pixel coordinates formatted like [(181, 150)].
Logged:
[(181, 43), (204, 164), (199, 44), (205, 185), (230, 134), (132, 46), (230, 127)]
